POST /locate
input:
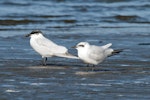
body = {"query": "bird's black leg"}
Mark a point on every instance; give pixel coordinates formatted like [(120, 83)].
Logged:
[(87, 66), (44, 59), (93, 67)]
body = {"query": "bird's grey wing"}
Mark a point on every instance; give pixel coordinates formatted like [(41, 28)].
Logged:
[(96, 52), (107, 46), (54, 49), (66, 55), (107, 51), (51, 46), (44, 42)]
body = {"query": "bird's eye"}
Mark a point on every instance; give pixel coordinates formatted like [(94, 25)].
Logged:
[(81, 45)]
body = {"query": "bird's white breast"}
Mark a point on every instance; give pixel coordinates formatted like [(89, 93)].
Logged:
[(43, 51), (84, 55)]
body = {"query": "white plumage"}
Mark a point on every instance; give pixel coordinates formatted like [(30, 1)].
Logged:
[(92, 54), (47, 48)]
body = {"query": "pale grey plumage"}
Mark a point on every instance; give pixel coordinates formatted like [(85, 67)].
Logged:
[(92, 54), (46, 47)]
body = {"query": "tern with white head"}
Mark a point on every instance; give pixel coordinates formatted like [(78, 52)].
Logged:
[(92, 54)]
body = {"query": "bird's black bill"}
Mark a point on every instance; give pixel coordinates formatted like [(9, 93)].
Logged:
[(74, 47), (28, 35), (116, 51)]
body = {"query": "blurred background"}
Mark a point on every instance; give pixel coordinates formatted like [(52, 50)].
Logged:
[(124, 23)]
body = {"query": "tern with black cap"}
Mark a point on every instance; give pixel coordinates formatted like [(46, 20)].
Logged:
[(47, 48)]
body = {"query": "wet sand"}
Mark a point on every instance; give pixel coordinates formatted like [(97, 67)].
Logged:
[(122, 76)]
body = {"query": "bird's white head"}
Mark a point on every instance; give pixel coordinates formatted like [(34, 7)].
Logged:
[(35, 33), (82, 45)]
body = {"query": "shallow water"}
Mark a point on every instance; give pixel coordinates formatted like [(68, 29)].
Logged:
[(125, 76)]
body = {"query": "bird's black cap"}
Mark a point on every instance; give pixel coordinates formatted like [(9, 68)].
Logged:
[(33, 32)]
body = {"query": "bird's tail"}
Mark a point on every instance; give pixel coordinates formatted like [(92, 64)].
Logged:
[(116, 51), (67, 55)]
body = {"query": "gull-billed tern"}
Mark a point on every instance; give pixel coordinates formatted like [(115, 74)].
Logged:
[(47, 48), (92, 54)]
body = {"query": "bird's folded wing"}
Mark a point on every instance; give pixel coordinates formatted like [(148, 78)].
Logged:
[(51, 46), (107, 45), (96, 52), (66, 55)]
